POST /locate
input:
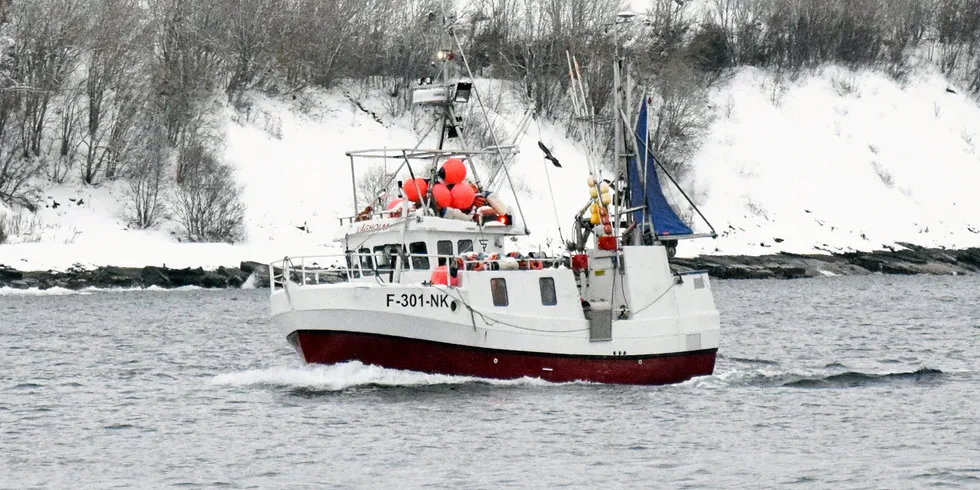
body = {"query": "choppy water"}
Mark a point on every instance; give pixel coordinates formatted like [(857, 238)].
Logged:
[(861, 382)]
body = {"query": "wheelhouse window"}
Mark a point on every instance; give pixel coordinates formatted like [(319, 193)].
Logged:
[(419, 263), (444, 247), (464, 246), (386, 256), (548, 295), (498, 288), (367, 266), (352, 265)]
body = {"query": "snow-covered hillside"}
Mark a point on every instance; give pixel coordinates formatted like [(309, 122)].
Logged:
[(833, 161), (840, 161)]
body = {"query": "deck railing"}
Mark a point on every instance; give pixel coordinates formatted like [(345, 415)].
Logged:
[(342, 267)]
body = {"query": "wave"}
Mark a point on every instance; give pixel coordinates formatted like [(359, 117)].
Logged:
[(339, 377), (59, 291), (56, 291), (776, 378), (851, 379), (747, 360)]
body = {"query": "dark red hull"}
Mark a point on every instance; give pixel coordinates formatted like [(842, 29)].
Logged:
[(328, 347)]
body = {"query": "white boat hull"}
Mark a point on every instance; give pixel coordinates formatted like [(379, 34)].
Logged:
[(456, 331)]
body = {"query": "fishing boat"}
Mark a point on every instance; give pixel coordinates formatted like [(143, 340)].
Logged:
[(428, 280)]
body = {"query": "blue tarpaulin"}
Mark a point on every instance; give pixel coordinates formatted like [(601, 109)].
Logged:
[(665, 220)]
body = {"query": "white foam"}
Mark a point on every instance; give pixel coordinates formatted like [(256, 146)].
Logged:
[(339, 377), (7, 291), (59, 291)]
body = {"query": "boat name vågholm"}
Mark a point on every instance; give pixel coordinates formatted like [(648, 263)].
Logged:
[(373, 227), (415, 300)]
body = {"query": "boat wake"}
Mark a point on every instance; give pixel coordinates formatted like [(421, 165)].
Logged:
[(340, 377), (774, 377)]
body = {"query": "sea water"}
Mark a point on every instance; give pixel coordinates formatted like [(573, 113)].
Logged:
[(838, 382)]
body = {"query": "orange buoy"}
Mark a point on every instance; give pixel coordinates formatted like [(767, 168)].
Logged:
[(442, 195), (415, 189), (453, 171), (440, 276), (394, 207), (463, 196)]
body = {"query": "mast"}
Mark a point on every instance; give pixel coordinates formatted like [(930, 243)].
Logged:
[(623, 124), (618, 143)]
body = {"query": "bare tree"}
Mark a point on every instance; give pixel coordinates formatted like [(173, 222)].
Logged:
[(679, 115), (47, 34), (208, 204), (115, 85), (379, 180), (146, 176), (63, 160), (251, 31), (188, 61)]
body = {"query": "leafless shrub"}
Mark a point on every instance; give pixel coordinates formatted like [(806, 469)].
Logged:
[(729, 107), (776, 89), (844, 84), (146, 178), (16, 170), (755, 208), (883, 174), (207, 204), (23, 225)]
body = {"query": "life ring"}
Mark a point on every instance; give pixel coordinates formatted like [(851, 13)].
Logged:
[(536, 265), (469, 260), (491, 262)]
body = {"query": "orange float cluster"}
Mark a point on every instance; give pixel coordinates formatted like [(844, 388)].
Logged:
[(453, 196)]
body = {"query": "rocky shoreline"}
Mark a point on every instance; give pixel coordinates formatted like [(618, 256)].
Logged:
[(908, 261), (247, 274)]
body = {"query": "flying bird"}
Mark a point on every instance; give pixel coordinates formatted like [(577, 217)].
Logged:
[(548, 155)]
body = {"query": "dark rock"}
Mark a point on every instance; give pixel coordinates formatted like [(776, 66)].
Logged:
[(213, 280), (234, 282), (903, 268), (867, 262), (19, 284), (249, 267), (8, 274), (790, 272), (260, 280), (116, 277), (739, 272), (234, 277), (186, 277), (154, 276)]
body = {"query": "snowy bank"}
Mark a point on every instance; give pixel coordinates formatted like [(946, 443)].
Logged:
[(833, 162)]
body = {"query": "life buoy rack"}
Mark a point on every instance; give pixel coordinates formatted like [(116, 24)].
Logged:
[(478, 262)]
